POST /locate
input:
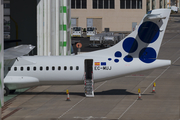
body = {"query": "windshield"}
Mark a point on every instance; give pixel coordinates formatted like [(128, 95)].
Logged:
[(90, 29), (76, 29)]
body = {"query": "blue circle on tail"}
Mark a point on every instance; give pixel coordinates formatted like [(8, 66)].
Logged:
[(130, 45), (116, 60), (147, 55), (128, 58), (118, 54), (148, 32)]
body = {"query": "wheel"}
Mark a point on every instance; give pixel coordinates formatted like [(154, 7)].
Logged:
[(12, 91), (6, 91)]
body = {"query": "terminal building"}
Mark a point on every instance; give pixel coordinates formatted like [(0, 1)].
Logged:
[(117, 15)]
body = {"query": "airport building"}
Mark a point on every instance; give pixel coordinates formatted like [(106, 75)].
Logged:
[(117, 15)]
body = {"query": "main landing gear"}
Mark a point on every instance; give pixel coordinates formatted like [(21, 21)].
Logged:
[(7, 91)]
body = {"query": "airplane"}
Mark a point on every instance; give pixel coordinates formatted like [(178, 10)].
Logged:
[(136, 52)]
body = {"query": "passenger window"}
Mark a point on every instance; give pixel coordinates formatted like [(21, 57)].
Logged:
[(71, 68), (9, 68), (53, 68), (34, 68), (47, 68), (59, 68), (65, 68), (21, 68), (15, 68), (77, 67), (41, 68), (28, 68)]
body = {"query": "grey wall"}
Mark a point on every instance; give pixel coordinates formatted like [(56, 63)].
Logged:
[(24, 13)]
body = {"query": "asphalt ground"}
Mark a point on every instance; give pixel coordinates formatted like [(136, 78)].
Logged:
[(114, 99)]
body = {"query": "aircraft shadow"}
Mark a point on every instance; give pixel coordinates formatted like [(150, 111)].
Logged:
[(108, 92)]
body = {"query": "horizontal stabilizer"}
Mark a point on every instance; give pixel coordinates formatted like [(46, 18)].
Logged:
[(155, 16)]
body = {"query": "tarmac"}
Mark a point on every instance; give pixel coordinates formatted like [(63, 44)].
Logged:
[(115, 99)]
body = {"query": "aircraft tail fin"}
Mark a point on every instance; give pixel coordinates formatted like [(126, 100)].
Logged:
[(143, 43)]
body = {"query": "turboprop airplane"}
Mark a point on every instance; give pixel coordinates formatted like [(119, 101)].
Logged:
[(137, 52)]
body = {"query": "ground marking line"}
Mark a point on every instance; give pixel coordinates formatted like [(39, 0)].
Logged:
[(147, 88), (128, 108), (71, 108), (90, 117), (169, 40), (100, 85), (79, 102)]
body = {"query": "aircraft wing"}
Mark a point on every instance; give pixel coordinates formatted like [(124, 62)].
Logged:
[(14, 52), (11, 54)]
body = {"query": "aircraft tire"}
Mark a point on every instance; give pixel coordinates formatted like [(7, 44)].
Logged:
[(6, 91), (12, 91)]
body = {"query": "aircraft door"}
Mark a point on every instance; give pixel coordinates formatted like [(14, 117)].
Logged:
[(88, 68)]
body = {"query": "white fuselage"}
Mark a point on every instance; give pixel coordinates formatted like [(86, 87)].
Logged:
[(59, 70), (137, 52)]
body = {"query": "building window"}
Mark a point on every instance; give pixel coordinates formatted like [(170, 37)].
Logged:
[(106, 4), (139, 4), (73, 4), (103, 4), (122, 4), (133, 4), (41, 68), (111, 4), (78, 4), (127, 4), (59, 68), (100, 4), (95, 4), (84, 4), (130, 4)]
